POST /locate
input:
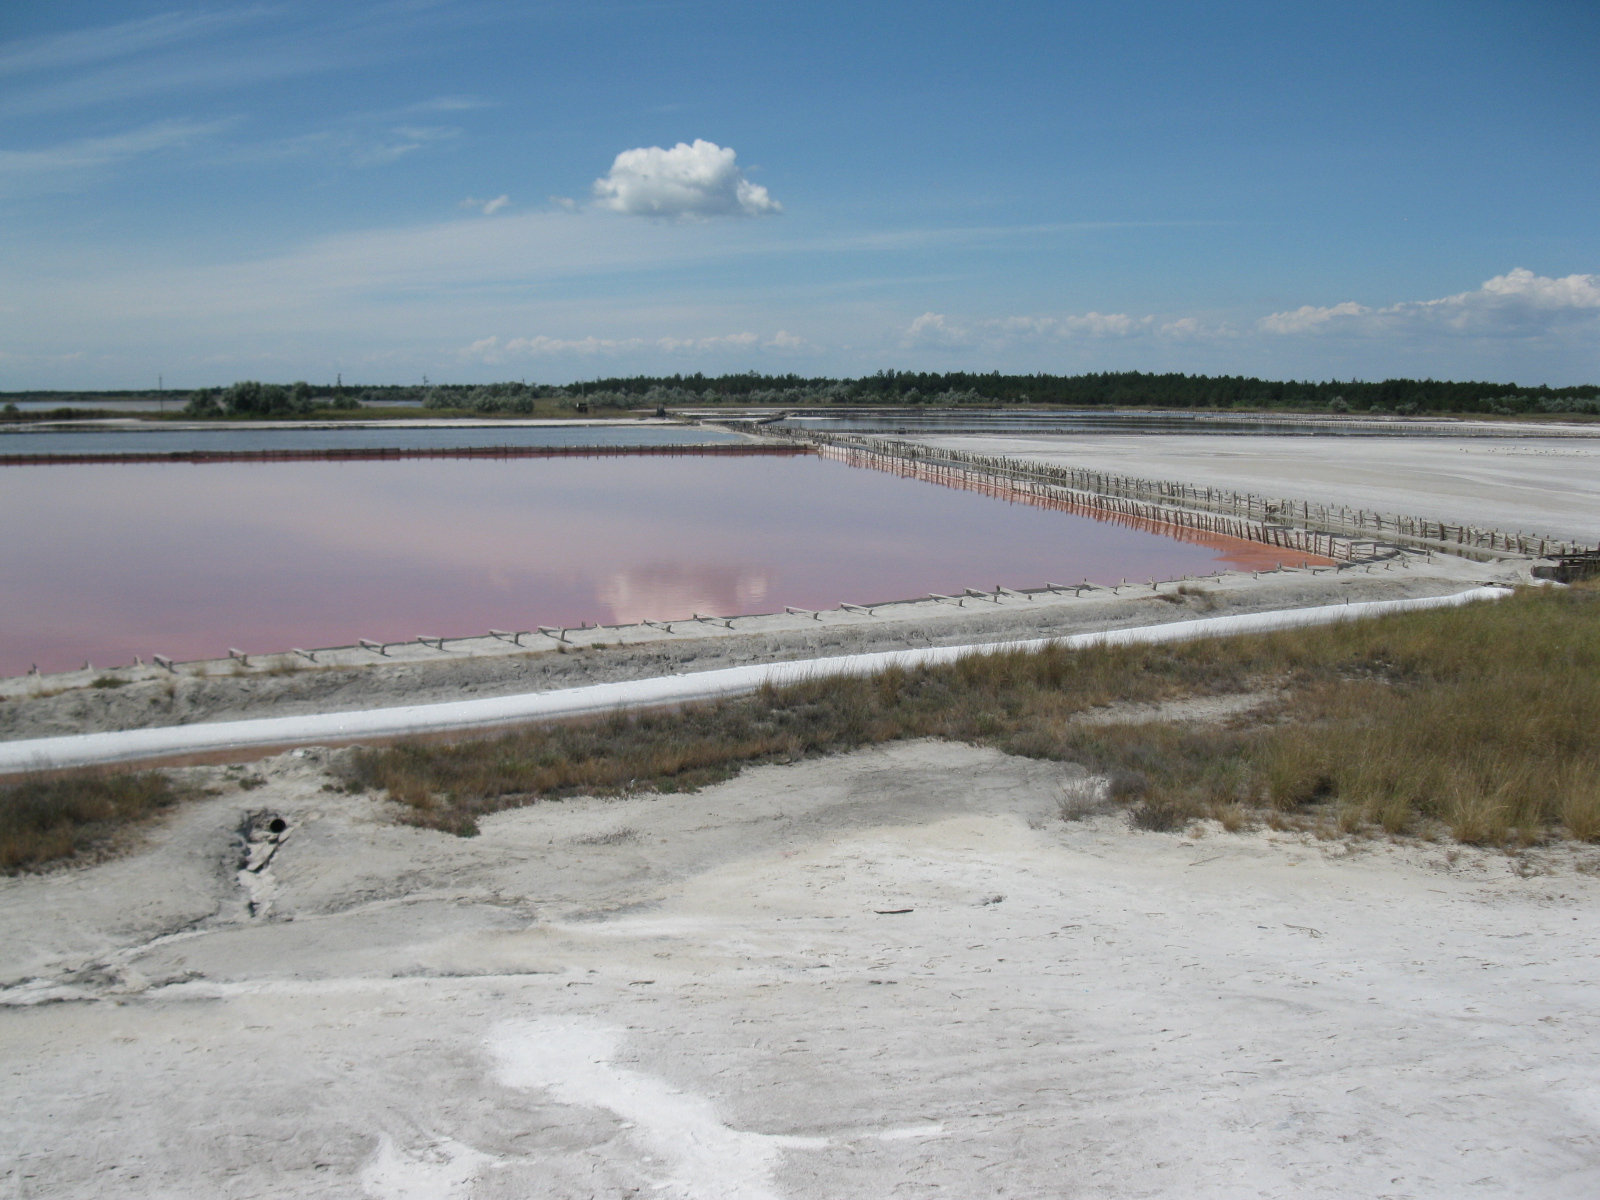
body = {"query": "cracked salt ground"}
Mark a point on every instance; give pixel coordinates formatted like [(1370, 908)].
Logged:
[(715, 1007)]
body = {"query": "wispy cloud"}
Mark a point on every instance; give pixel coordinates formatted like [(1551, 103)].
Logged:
[(190, 53), (82, 47), (449, 104), (437, 104), (354, 142), (179, 73), (446, 262), (487, 207), (404, 140), (65, 163), (926, 237)]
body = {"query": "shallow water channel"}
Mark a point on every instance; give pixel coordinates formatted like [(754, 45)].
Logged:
[(105, 562)]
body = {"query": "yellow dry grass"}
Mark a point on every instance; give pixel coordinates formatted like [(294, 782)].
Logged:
[(1481, 720), (45, 820)]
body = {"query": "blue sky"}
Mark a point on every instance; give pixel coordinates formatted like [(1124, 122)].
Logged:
[(473, 190)]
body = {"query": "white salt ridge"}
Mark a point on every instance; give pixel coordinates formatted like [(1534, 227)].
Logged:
[(446, 1170), (91, 749), (706, 1159)]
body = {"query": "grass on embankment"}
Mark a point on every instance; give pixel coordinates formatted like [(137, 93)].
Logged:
[(1480, 720), (1483, 722)]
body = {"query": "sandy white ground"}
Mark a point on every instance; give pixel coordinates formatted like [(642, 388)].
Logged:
[(1547, 486), (718, 996)]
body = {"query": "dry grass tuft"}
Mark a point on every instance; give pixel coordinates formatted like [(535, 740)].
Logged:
[(44, 820), (1162, 813), (617, 837), (1579, 791)]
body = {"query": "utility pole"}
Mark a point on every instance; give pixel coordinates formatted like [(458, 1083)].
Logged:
[(161, 392)]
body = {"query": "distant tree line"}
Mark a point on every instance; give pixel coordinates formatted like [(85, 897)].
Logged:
[(521, 398), (1130, 389), (249, 398), (1138, 389), (68, 398)]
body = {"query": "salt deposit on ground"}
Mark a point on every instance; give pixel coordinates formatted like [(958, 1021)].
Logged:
[(897, 972), (1538, 485)]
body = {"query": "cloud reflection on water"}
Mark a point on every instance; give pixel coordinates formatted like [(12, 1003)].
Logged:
[(105, 562), (669, 591)]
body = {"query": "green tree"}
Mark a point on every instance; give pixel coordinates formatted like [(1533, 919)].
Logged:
[(202, 404)]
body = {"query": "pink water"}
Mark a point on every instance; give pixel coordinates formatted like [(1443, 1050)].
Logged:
[(102, 563)]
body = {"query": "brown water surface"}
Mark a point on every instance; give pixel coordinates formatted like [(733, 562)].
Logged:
[(102, 563)]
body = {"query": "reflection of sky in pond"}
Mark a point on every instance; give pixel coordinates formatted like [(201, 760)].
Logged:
[(106, 562), (655, 591)]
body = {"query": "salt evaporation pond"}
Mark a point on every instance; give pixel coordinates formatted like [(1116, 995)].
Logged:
[(994, 422), (392, 436), (105, 562)]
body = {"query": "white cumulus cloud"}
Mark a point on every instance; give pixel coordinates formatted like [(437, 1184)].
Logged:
[(1309, 317), (727, 341), (1574, 291), (493, 350), (1519, 305), (1090, 324), (1516, 304), (932, 329), (1195, 329), (687, 182)]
